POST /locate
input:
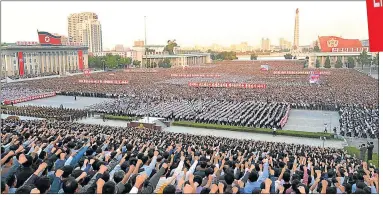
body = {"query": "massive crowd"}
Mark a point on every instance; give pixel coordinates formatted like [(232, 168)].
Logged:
[(151, 93), (40, 157), (234, 113), (52, 113)]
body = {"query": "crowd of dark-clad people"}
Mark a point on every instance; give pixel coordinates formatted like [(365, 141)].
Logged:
[(151, 93), (44, 157), (66, 157)]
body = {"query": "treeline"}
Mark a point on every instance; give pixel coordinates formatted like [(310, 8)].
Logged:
[(225, 55), (111, 61)]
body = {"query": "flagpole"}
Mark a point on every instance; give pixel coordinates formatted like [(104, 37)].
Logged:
[(145, 39)]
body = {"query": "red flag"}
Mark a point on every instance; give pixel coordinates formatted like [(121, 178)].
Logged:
[(80, 60), (21, 63), (46, 38), (375, 30)]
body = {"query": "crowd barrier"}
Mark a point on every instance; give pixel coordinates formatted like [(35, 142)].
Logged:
[(195, 75), (227, 85), (283, 121), (29, 98), (114, 82), (283, 72)]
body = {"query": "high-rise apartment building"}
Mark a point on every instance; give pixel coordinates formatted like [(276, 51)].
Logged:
[(85, 28), (265, 44), (119, 48), (284, 44)]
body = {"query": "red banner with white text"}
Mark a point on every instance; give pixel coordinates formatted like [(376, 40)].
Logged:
[(29, 98), (285, 72), (196, 75), (112, 82), (226, 85)]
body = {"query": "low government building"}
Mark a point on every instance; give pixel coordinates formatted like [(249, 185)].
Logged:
[(337, 48), (47, 56)]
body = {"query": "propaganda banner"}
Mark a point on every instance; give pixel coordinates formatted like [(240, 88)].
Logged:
[(111, 82), (226, 85), (195, 75), (284, 72), (29, 98)]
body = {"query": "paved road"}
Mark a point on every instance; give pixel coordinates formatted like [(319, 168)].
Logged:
[(66, 101), (356, 142), (312, 120), (225, 133)]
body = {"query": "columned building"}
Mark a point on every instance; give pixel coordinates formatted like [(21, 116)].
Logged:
[(337, 48), (178, 60), (24, 60)]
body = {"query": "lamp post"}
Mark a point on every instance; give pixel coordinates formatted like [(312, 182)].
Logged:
[(103, 64)]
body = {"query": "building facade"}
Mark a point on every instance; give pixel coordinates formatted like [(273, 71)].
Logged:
[(265, 44), (85, 28), (336, 48), (35, 60), (124, 54), (284, 44), (178, 60)]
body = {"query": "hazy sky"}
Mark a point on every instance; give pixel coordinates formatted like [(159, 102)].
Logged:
[(190, 23)]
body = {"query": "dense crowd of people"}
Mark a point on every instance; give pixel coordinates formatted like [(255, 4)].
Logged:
[(40, 157), (234, 113), (18, 91), (359, 122), (51, 113), (152, 93)]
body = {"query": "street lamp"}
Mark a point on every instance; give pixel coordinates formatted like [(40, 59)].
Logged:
[(103, 64)]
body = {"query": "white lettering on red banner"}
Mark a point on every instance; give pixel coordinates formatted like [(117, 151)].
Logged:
[(29, 98), (140, 71), (112, 82), (196, 75), (301, 72), (226, 85), (355, 49)]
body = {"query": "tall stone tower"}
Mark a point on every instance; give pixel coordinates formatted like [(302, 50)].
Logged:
[(296, 32)]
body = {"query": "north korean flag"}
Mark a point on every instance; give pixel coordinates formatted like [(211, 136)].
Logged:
[(46, 38)]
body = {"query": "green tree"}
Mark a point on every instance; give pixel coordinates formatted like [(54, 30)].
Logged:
[(327, 63), (364, 59), (350, 62), (125, 61), (136, 63), (317, 64), (165, 63), (111, 61), (338, 63), (288, 56), (253, 56)]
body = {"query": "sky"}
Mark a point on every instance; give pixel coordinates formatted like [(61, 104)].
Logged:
[(190, 23)]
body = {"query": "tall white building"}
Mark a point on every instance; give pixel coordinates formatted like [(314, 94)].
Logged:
[(85, 28)]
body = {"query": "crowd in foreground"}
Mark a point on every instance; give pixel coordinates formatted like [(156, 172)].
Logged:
[(42, 157)]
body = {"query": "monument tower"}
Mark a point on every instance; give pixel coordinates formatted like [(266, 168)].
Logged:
[(296, 33)]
